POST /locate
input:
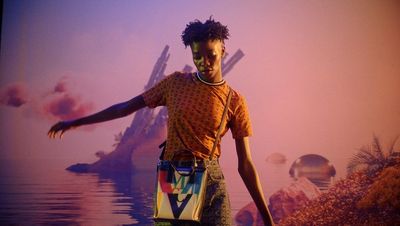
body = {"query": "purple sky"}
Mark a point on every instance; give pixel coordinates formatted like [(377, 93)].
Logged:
[(319, 76)]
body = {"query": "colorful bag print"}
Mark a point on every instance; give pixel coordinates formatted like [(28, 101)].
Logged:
[(180, 192)]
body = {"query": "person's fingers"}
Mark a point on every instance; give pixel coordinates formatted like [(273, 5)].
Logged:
[(49, 132), (53, 130), (60, 127), (62, 133), (52, 134)]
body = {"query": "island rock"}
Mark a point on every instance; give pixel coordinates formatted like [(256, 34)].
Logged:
[(282, 203)]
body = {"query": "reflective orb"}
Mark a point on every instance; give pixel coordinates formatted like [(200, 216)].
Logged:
[(312, 166)]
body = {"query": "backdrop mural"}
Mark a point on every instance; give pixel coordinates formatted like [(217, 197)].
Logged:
[(321, 79)]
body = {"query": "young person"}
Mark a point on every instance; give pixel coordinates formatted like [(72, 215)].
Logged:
[(195, 103)]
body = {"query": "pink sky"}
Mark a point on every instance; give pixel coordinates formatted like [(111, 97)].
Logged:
[(319, 76)]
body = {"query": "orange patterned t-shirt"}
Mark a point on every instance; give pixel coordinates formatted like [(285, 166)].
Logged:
[(195, 111)]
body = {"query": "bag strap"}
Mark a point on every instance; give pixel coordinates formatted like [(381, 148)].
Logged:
[(162, 146), (221, 123)]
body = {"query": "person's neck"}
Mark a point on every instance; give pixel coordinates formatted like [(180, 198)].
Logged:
[(216, 80)]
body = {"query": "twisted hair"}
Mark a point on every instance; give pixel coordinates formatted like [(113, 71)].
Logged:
[(196, 31)]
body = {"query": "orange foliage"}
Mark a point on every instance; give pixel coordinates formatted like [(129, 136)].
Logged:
[(357, 200), (385, 191)]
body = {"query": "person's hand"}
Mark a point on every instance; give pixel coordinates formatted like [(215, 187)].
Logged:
[(59, 127)]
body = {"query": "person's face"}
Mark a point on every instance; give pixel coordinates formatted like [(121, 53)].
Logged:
[(207, 57)]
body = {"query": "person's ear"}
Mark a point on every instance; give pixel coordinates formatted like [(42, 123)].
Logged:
[(223, 50)]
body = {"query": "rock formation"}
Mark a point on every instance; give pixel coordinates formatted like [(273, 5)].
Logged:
[(138, 146), (282, 203)]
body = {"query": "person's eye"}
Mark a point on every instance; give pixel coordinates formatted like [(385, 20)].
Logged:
[(196, 56), (212, 55)]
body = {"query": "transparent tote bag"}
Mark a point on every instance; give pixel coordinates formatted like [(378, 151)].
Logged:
[(180, 191)]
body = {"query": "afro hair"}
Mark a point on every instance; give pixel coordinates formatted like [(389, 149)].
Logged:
[(196, 31)]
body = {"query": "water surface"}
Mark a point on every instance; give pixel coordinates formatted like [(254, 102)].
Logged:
[(42, 192)]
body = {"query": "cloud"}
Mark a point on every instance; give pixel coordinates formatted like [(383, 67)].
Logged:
[(61, 86), (57, 103), (14, 95), (66, 107), (60, 103)]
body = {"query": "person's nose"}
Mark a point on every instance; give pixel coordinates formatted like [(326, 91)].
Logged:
[(206, 61)]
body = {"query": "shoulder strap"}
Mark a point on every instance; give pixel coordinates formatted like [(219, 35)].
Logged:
[(221, 123)]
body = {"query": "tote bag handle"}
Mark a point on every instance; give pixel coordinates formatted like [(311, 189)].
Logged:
[(221, 125)]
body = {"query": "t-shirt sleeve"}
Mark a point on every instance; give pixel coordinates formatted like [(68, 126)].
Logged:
[(240, 124), (156, 96)]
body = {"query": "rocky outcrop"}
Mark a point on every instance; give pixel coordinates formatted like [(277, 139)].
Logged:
[(287, 200), (282, 203), (249, 216)]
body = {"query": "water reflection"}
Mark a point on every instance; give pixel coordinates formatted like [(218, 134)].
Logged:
[(53, 196), (43, 193), (139, 187)]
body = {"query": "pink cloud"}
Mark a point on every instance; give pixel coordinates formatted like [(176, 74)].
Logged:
[(61, 86), (14, 95), (66, 107), (61, 104), (58, 103)]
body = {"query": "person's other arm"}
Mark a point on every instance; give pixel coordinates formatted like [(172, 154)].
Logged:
[(115, 111), (250, 178)]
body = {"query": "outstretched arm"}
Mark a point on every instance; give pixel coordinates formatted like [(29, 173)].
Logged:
[(113, 112), (250, 178)]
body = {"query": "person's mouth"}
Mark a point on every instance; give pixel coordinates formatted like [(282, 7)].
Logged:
[(206, 70)]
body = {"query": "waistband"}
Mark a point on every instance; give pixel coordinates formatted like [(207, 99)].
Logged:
[(185, 163)]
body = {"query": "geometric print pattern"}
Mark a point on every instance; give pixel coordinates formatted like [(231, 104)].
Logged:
[(217, 209), (194, 113)]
